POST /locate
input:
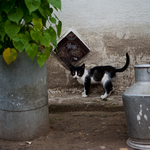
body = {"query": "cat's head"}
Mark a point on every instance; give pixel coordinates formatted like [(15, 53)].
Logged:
[(77, 71)]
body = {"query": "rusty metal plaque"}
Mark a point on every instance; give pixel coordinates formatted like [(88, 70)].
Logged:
[(71, 49)]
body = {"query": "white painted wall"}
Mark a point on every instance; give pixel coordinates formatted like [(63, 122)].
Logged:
[(98, 13)]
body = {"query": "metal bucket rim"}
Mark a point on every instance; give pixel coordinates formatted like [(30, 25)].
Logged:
[(142, 66)]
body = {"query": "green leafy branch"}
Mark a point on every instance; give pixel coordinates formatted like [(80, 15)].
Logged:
[(23, 27)]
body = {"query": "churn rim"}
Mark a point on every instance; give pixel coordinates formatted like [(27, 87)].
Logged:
[(142, 66)]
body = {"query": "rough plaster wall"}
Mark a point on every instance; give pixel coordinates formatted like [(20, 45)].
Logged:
[(110, 28)]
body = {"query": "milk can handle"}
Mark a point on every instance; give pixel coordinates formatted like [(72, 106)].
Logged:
[(148, 70)]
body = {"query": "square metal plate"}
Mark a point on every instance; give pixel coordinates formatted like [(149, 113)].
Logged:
[(71, 49)]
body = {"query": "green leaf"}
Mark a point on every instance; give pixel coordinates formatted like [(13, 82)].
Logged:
[(11, 28), (15, 15), (53, 36), (55, 3), (27, 35), (50, 36), (32, 5), (35, 35), (44, 41), (8, 5), (20, 42), (49, 11), (56, 17), (31, 50), (27, 17), (47, 52), (42, 12), (53, 20), (59, 27), (1, 17), (41, 59), (2, 32)]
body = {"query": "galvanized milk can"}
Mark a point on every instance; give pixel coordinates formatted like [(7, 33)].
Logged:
[(136, 100), (24, 111)]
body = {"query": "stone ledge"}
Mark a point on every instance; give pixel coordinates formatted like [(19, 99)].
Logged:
[(60, 101)]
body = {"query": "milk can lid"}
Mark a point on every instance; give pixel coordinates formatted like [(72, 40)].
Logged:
[(142, 66)]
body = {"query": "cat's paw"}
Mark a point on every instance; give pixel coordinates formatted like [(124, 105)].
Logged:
[(84, 95), (103, 96)]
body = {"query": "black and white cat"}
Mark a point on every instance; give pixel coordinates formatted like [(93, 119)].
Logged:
[(98, 74)]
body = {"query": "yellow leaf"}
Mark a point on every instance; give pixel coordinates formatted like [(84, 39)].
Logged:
[(40, 20), (37, 23), (9, 55)]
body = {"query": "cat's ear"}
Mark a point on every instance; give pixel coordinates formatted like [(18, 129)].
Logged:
[(71, 67), (83, 66)]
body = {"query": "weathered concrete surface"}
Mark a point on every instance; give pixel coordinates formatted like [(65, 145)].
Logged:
[(63, 100)]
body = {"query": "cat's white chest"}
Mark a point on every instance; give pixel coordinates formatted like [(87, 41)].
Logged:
[(81, 80)]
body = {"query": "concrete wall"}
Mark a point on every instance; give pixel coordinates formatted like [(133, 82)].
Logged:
[(110, 28)]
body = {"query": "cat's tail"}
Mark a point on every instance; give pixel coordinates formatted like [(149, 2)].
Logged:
[(126, 65)]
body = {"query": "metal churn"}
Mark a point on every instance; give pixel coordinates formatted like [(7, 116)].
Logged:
[(136, 101)]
